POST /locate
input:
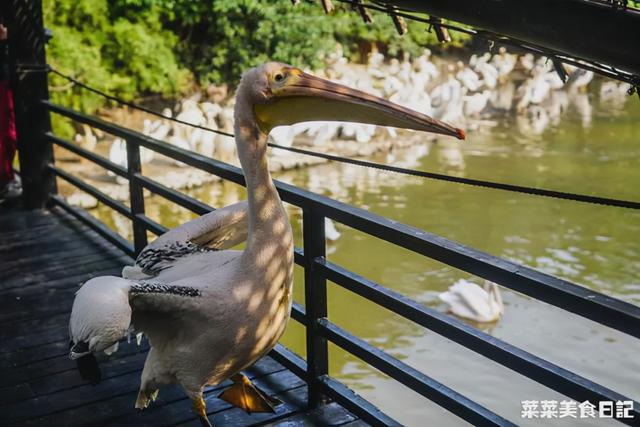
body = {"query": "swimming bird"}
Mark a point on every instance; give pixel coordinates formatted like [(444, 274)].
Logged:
[(468, 300), (210, 312)]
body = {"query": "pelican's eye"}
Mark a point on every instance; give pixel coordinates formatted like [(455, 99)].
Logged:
[(279, 77)]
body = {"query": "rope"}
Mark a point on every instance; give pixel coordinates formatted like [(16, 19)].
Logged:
[(364, 163), (135, 106), (474, 182)]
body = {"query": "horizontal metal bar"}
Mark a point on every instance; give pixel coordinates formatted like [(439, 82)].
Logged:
[(107, 200), (417, 381), (538, 369), (96, 225), (298, 313), (99, 160), (176, 197), (577, 299), (151, 225), (355, 403), (289, 360)]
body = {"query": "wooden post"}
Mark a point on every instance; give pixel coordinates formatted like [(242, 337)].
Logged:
[(315, 289), (29, 82)]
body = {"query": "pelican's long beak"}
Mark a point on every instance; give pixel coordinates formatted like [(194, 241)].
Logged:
[(303, 97)]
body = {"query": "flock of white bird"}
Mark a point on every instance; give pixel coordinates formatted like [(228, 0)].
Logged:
[(454, 92)]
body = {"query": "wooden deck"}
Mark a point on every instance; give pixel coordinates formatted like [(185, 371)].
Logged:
[(44, 256)]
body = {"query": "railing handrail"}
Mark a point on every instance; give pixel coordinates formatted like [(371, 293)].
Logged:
[(595, 306)]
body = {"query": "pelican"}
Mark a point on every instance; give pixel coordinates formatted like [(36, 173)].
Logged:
[(118, 155), (208, 311), (330, 230), (470, 301), (88, 140)]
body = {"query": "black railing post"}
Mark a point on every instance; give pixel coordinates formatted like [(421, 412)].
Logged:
[(315, 287), (136, 195), (29, 82)]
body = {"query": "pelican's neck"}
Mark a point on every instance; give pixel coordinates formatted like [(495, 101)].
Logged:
[(268, 221)]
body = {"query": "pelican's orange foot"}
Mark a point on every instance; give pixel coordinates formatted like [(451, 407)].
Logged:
[(246, 396)]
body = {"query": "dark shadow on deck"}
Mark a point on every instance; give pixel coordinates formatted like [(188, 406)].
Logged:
[(44, 256)]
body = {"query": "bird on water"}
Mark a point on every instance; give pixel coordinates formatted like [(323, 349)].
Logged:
[(209, 311), (468, 300)]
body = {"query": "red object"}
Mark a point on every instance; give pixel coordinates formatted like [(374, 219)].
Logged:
[(7, 134)]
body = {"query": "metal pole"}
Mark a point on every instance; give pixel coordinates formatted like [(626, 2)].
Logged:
[(136, 195), (29, 82), (315, 287)]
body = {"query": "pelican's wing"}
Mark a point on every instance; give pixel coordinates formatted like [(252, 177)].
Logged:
[(217, 230), (102, 314), (102, 308)]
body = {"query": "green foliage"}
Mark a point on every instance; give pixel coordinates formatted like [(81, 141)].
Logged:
[(221, 39), (128, 58), (134, 48)]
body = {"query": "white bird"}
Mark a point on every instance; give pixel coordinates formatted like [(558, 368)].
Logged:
[(468, 78), (150, 128), (614, 94), (210, 311), (179, 140), (488, 72), (118, 155), (468, 300), (540, 85), (226, 147), (330, 230), (424, 65), (207, 146), (190, 114), (580, 78), (527, 61), (322, 132), (283, 136), (447, 100), (504, 63), (554, 80), (87, 140), (476, 103), (375, 64)]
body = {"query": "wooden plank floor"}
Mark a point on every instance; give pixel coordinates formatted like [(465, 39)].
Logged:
[(44, 256)]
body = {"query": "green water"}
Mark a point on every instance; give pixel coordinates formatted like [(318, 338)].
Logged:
[(595, 246)]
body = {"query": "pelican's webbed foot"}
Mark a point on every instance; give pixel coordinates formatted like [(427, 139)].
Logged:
[(246, 396)]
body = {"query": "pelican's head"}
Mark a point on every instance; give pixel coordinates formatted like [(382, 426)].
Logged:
[(283, 95)]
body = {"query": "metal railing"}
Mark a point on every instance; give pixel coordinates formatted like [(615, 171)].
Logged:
[(592, 305)]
